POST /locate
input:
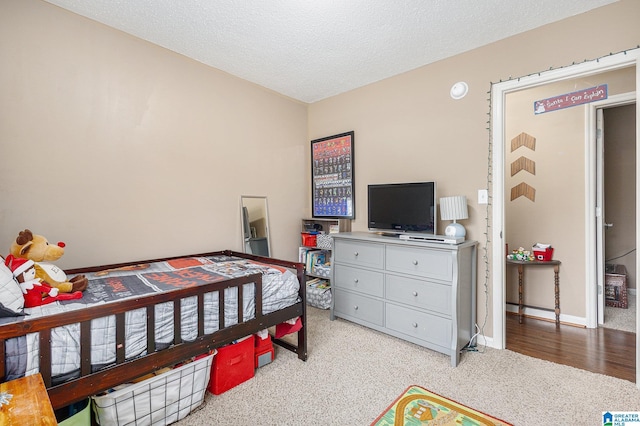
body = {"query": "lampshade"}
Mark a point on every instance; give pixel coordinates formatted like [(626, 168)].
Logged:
[(454, 208)]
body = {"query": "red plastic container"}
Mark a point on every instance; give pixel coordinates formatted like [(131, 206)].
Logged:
[(543, 255), (264, 352), (234, 364), (309, 240)]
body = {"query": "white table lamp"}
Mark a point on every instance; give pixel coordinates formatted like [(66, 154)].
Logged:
[(454, 208)]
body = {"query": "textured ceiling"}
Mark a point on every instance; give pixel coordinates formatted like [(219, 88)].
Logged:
[(312, 49)]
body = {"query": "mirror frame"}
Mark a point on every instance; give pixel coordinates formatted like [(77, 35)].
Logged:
[(243, 224)]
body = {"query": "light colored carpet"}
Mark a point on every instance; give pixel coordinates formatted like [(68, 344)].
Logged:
[(354, 373), (620, 318)]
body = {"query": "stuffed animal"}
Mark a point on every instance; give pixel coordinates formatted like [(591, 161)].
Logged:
[(11, 297), (36, 248), (521, 254), (36, 292)]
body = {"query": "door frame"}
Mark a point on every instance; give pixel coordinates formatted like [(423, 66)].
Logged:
[(595, 215), (499, 93)]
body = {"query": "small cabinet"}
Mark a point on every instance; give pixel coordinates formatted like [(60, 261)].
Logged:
[(315, 252)]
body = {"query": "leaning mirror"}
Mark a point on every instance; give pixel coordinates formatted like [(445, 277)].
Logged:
[(255, 225)]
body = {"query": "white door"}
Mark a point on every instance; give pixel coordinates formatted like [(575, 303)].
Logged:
[(600, 223)]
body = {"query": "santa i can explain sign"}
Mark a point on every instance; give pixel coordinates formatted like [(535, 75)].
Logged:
[(568, 100)]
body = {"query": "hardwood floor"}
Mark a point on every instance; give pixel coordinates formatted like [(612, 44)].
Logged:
[(601, 350)]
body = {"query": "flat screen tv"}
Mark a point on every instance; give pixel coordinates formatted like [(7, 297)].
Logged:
[(402, 208)]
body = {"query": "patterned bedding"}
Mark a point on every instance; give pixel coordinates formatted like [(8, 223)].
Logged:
[(280, 289)]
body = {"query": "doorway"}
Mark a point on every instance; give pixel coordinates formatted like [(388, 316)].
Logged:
[(615, 224), (498, 98)]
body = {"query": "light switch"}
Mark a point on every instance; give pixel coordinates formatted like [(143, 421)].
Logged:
[(483, 196)]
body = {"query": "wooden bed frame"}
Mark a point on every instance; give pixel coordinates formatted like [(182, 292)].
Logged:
[(123, 370)]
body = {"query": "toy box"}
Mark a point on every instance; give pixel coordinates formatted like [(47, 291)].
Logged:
[(162, 399), (543, 255), (234, 364)]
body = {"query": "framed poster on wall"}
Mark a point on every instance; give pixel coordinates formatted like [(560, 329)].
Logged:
[(332, 177)]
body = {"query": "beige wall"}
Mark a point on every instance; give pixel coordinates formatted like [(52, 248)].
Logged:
[(407, 128), (125, 150)]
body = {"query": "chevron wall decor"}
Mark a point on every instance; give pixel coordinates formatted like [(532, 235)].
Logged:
[(523, 189), (523, 163), (523, 139)]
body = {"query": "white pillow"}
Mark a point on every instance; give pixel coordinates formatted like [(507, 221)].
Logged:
[(11, 297)]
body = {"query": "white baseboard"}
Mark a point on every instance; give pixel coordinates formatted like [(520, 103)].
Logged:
[(485, 341), (548, 315)]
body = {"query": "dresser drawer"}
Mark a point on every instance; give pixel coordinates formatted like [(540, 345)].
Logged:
[(431, 263), (419, 293), (355, 306), (360, 280), (359, 253), (419, 325)]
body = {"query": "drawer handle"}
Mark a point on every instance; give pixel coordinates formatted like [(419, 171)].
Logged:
[(415, 293), (415, 262), (355, 308), (355, 280), (415, 325), (355, 253)]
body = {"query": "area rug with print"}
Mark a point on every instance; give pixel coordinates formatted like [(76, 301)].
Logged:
[(418, 406)]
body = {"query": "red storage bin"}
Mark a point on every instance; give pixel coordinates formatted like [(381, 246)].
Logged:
[(543, 255), (264, 352), (232, 365), (308, 239)]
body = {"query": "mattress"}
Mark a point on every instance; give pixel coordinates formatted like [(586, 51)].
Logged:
[(280, 289)]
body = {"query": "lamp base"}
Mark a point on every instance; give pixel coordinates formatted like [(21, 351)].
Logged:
[(455, 230)]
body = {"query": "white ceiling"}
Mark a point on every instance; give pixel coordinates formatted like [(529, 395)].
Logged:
[(310, 50)]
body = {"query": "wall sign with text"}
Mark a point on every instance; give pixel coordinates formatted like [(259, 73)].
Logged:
[(568, 100)]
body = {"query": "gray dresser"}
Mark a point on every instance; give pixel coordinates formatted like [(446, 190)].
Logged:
[(422, 292)]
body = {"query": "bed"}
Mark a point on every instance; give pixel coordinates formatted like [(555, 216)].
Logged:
[(138, 317)]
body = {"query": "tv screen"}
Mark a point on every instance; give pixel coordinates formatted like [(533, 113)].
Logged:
[(402, 207)]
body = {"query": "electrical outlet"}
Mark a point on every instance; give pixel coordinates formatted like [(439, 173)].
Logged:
[(483, 196)]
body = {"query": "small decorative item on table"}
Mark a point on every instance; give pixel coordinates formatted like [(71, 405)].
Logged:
[(543, 252), (521, 254)]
